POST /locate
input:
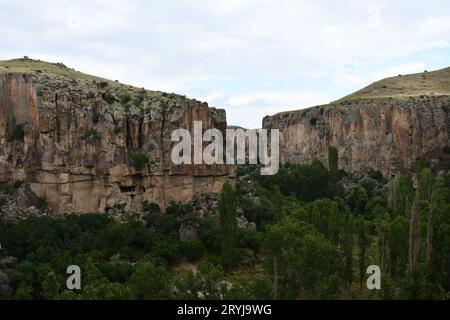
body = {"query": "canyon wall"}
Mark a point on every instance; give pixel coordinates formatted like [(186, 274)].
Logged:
[(385, 135), (87, 145)]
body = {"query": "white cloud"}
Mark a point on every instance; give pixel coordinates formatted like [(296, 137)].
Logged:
[(358, 79), (298, 98), (436, 25), (374, 17), (194, 46), (249, 109)]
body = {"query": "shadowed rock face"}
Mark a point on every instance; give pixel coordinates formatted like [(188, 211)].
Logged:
[(386, 136), (70, 145)]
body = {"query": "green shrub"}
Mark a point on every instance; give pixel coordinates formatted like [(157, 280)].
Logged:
[(120, 206), (210, 235), (140, 160), (125, 98), (249, 239), (91, 95), (96, 117), (163, 224), (42, 203), (151, 207), (193, 249), (109, 98), (118, 130), (10, 187), (446, 150), (19, 132), (313, 121), (421, 163)]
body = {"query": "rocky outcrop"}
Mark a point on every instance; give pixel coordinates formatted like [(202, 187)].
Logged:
[(386, 135), (86, 145)]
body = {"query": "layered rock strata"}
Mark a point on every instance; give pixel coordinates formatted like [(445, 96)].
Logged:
[(86, 145)]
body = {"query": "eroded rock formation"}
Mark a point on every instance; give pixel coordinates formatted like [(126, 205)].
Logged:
[(87, 145), (386, 135)]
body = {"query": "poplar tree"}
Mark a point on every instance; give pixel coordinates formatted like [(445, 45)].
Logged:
[(228, 225), (333, 166), (362, 242), (347, 244)]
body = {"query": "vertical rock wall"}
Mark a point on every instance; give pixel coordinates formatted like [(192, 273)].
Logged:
[(75, 142), (386, 135)]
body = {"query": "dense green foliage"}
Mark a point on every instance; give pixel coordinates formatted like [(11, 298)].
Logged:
[(140, 161), (316, 232)]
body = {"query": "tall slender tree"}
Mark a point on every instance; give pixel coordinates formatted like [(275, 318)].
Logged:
[(347, 248), (362, 242), (228, 225), (333, 166), (414, 234)]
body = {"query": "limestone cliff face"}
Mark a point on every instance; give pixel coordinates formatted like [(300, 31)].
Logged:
[(77, 141), (380, 135)]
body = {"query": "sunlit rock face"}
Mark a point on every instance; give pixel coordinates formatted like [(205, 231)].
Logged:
[(77, 143), (386, 135)]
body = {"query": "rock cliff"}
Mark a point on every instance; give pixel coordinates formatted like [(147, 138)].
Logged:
[(385, 127), (86, 144)]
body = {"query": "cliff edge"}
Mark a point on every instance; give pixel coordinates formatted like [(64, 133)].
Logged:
[(87, 144), (384, 127)]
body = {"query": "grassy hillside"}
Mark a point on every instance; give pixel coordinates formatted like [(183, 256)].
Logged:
[(66, 75), (26, 65), (433, 83), (404, 86)]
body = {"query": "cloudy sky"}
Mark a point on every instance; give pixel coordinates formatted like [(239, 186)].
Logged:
[(251, 57)]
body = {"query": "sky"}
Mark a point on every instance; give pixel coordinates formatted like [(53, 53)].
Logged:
[(251, 57)]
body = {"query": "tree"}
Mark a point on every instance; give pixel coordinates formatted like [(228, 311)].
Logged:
[(186, 286), (333, 166), (50, 285), (107, 291), (150, 282), (356, 197), (193, 249), (362, 242), (401, 195), (333, 160), (305, 182), (439, 262), (397, 239), (369, 184), (210, 281), (228, 225), (414, 234), (347, 249), (303, 263)]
